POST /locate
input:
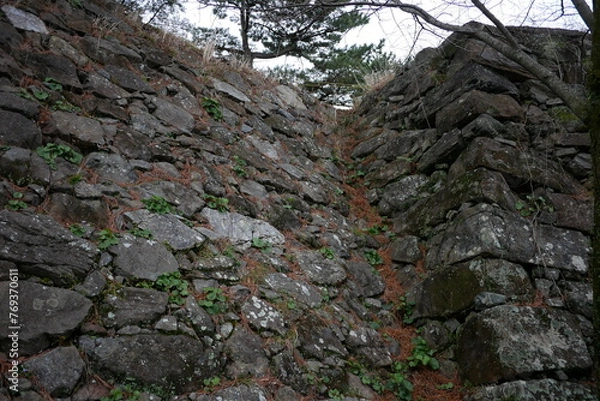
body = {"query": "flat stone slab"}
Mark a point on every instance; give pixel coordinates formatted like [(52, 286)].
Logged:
[(240, 229)]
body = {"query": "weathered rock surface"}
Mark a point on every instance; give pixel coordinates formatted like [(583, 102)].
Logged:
[(276, 270), (44, 315), (510, 342)]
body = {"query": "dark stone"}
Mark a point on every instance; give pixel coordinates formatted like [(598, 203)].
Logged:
[(57, 371), (173, 363), (22, 167), (510, 342), (48, 65), (472, 104), (42, 247), (520, 167), (18, 130), (45, 315), (17, 104), (67, 208), (534, 390), (245, 352), (138, 258), (133, 306), (368, 281), (128, 80)]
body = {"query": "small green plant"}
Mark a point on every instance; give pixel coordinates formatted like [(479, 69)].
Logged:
[(398, 384), (158, 204), (377, 229), (106, 239), (352, 178), (140, 232), (533, 206), (239, 166), (335, 394), (53, 84), (373, 257), (211, 383), (445, 386), (51, 151), (422, 355), (76, 3), (327, 252), (63, 105), (174, 285), (220, 204), (126, 393), (262, 244), (77, 229), (75, 178), (213, 108), (291, 304), (214, 301), (406, 308), (16, 203)]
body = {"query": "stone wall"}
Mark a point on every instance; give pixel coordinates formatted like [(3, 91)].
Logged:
[(483, 170), (185, 228)]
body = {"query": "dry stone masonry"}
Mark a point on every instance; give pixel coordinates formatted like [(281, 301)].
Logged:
[(189, 230)]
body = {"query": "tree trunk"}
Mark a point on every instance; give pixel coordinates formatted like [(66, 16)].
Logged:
[(594, 128), (245, 14)]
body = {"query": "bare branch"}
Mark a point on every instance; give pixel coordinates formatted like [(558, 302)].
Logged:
[(585, 12)]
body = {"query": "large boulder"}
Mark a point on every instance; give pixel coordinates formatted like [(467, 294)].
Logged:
[(45, 314), (510, 342)]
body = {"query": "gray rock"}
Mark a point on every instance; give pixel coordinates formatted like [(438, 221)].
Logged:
[(87, 132), (406, 144), (49, 65), (320, 270), (508, 342), (108, 51), (133, 306), (241, 230), (70, 209), (406, 249), (263, 316), (289, 97), (401, 194), (368, 281), (42, 247), (45, 314), (453, 289), (167, 324), (111, 167), (319, 338), (534, 390), (246, 354), (521, 166), (172, 115), (579, 298), (197, 317), (103, 87), (299, 290), (23, 20), (93, 285), (167, 229), (229, 90), (57, 371), (479, 185), (474, 103), (63, 47), (18, 130), (12, 102), (128, 80), (22, 166), (174, 363), (241, 392), (139, 258), (367, 343), (485, 300), (485, 230)]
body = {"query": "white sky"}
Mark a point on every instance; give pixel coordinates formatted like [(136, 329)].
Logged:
[(399, 29)]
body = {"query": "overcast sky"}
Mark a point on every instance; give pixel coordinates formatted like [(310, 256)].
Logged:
[(400, 30)]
